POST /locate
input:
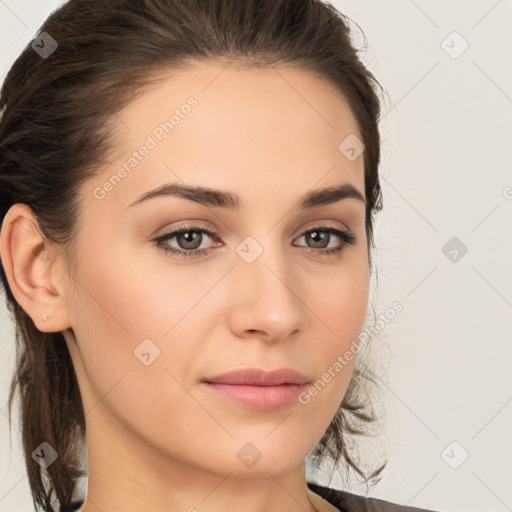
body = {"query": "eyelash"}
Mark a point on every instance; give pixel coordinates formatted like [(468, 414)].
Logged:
[(345, 235)]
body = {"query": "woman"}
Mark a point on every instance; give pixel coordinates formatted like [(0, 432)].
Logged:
[(187, 192)]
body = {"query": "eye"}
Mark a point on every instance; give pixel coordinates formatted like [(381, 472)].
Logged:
[(190, 238), (320, 236)]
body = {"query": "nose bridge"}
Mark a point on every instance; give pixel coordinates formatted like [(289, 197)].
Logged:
[(264, 259)]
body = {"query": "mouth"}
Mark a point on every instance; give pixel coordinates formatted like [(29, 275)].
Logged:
[(259, 389)]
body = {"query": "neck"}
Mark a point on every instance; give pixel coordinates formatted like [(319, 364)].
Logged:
[(126, 473)]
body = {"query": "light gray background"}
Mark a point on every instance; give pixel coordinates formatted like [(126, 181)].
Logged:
[(445, 171)]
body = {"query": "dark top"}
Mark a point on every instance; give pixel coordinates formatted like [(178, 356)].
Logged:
[(348, 502), (344, 501)]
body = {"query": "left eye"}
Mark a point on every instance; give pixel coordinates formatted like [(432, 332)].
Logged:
[(190, 239)]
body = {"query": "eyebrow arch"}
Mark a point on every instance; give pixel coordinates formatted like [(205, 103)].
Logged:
[(224, 199)]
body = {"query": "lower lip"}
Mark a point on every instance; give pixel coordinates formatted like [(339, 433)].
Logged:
[(265, 398)]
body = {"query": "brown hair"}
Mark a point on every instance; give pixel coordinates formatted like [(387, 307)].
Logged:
[(54, 135)]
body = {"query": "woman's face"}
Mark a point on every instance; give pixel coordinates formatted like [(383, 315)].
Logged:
[(147, 326)]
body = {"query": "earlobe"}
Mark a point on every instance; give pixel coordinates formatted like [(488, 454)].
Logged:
[(28, 257)]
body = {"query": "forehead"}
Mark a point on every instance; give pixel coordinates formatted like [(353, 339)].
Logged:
[(277, 127), (239, 91)]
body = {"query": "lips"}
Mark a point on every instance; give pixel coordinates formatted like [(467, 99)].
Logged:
[(259, 389), (259, 377)]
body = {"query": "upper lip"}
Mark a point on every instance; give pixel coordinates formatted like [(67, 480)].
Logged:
[(259, 377)]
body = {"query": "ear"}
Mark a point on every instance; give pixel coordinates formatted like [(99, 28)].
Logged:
[(34, 269)]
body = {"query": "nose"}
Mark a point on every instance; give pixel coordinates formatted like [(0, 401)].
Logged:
[(266, 298)]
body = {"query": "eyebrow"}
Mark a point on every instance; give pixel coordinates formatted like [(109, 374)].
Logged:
[(231, 201)]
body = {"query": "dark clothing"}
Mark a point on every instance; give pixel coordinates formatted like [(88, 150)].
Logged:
[(348, 502), (75, 505), (344, 501)]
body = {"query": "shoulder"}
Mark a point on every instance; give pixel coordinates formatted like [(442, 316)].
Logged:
[(348, 502)]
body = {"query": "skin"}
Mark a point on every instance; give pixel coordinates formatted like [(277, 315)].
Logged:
[(157, 440)]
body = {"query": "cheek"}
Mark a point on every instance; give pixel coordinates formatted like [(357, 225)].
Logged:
[(131, 310), (340, 306), (340, 297), (130, 293), (125, 357)]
